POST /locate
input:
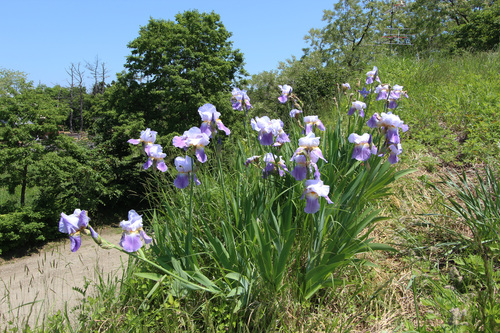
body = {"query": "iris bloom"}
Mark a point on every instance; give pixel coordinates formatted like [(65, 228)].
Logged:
[(195, 139), (240, 100), (372, 75), (273, 166), (277, 130), (373, 121), (295, 113), (286, 90), (362, 143), (389, 123), (346, 86), (132, 233), (315, 189), (73, 225), (382, 91), (357, 105), (252, 160), (364, 92), (264, 126), (155, 156), (311, 121), (309, 146), (209, 117), (395, 94), (300, 170), (184, 166), (395, 150), (147, 136)]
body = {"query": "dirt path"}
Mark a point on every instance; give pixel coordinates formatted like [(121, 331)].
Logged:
[(35, 286)]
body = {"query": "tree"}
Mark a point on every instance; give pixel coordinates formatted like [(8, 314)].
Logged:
[(438, 23), (99, 73), (29, 117), (62, 173), (479, 32), (313, 81), (81, 89), (352, 25), (11, 82), (72, 74), (175, 67)]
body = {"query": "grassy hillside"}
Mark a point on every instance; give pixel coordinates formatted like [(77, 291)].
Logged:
[(454, 104)]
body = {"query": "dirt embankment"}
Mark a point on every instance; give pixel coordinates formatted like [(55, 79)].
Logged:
[(35, 286)]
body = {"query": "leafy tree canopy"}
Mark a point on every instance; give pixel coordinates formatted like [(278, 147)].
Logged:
[(355, 27), (175, 67)]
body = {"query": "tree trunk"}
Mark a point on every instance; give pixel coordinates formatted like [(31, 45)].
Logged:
[(24, 185)]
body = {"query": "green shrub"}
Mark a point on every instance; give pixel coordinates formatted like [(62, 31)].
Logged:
[(20, 228)]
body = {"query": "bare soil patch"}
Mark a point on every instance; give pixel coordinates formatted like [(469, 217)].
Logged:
[(42, 283)]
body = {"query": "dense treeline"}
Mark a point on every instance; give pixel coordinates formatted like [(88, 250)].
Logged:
[(66, 147)]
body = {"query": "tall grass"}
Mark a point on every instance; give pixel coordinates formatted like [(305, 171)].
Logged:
[(454, 104)]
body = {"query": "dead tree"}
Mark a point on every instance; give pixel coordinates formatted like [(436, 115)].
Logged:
[(79, 77), (71, 73), (99, 73)]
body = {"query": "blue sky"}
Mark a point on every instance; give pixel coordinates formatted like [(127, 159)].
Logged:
[(42, 38)]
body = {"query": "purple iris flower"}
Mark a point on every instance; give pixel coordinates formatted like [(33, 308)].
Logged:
[(240, 100), (264, 126), (300, 170), (147, 136), (295, 113), (273, 166), (73, 225), (193, 138), (372, 75), (395, 150), (210, 116), (362, 143), (315, 189), (184, 166), (395, 94), (132, 233), (309, 146), (346, 86), (277, 129), (382, 91), (311, 121), (155, 156), (392, 102), (252, 160), (373, 121), (390, 123), (286, 90), (364, 92), (357, 105)]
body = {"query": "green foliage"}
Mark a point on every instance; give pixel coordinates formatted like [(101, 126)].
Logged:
[(355, 28), (310, 78), (453, 105), (446, 25), (21, 227), (175, 67), (478, 33), (50, 173), (351, 26), (11, 82)]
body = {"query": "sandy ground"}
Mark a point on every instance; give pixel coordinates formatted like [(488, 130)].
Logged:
[(35, 286)]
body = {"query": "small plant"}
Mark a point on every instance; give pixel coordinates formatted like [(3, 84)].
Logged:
[(477, 203)]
